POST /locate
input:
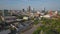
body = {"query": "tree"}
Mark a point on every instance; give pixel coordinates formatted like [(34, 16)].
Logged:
[(50, 26)]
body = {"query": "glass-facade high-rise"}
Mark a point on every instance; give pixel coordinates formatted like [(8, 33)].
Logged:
[(6, 13)]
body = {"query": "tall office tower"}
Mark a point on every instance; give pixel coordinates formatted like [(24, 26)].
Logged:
[(23, 10), (11, 12), (33, 9), (1, 12), (29, 9), (43, 11), (6, 13)]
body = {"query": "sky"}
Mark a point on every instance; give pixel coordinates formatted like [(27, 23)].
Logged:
[(37, 4)]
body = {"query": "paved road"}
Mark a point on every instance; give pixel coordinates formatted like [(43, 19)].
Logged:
[(26, 32), (5, 32), (32, 29)]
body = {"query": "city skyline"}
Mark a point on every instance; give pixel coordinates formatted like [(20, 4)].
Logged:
[(37, 4)]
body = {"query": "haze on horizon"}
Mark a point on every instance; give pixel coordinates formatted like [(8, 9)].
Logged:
[(37, 4)]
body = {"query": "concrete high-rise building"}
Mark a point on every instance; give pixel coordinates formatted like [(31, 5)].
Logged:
[(23, 10), (43, 11), (6, 12), (29, 8), (1, 13)]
